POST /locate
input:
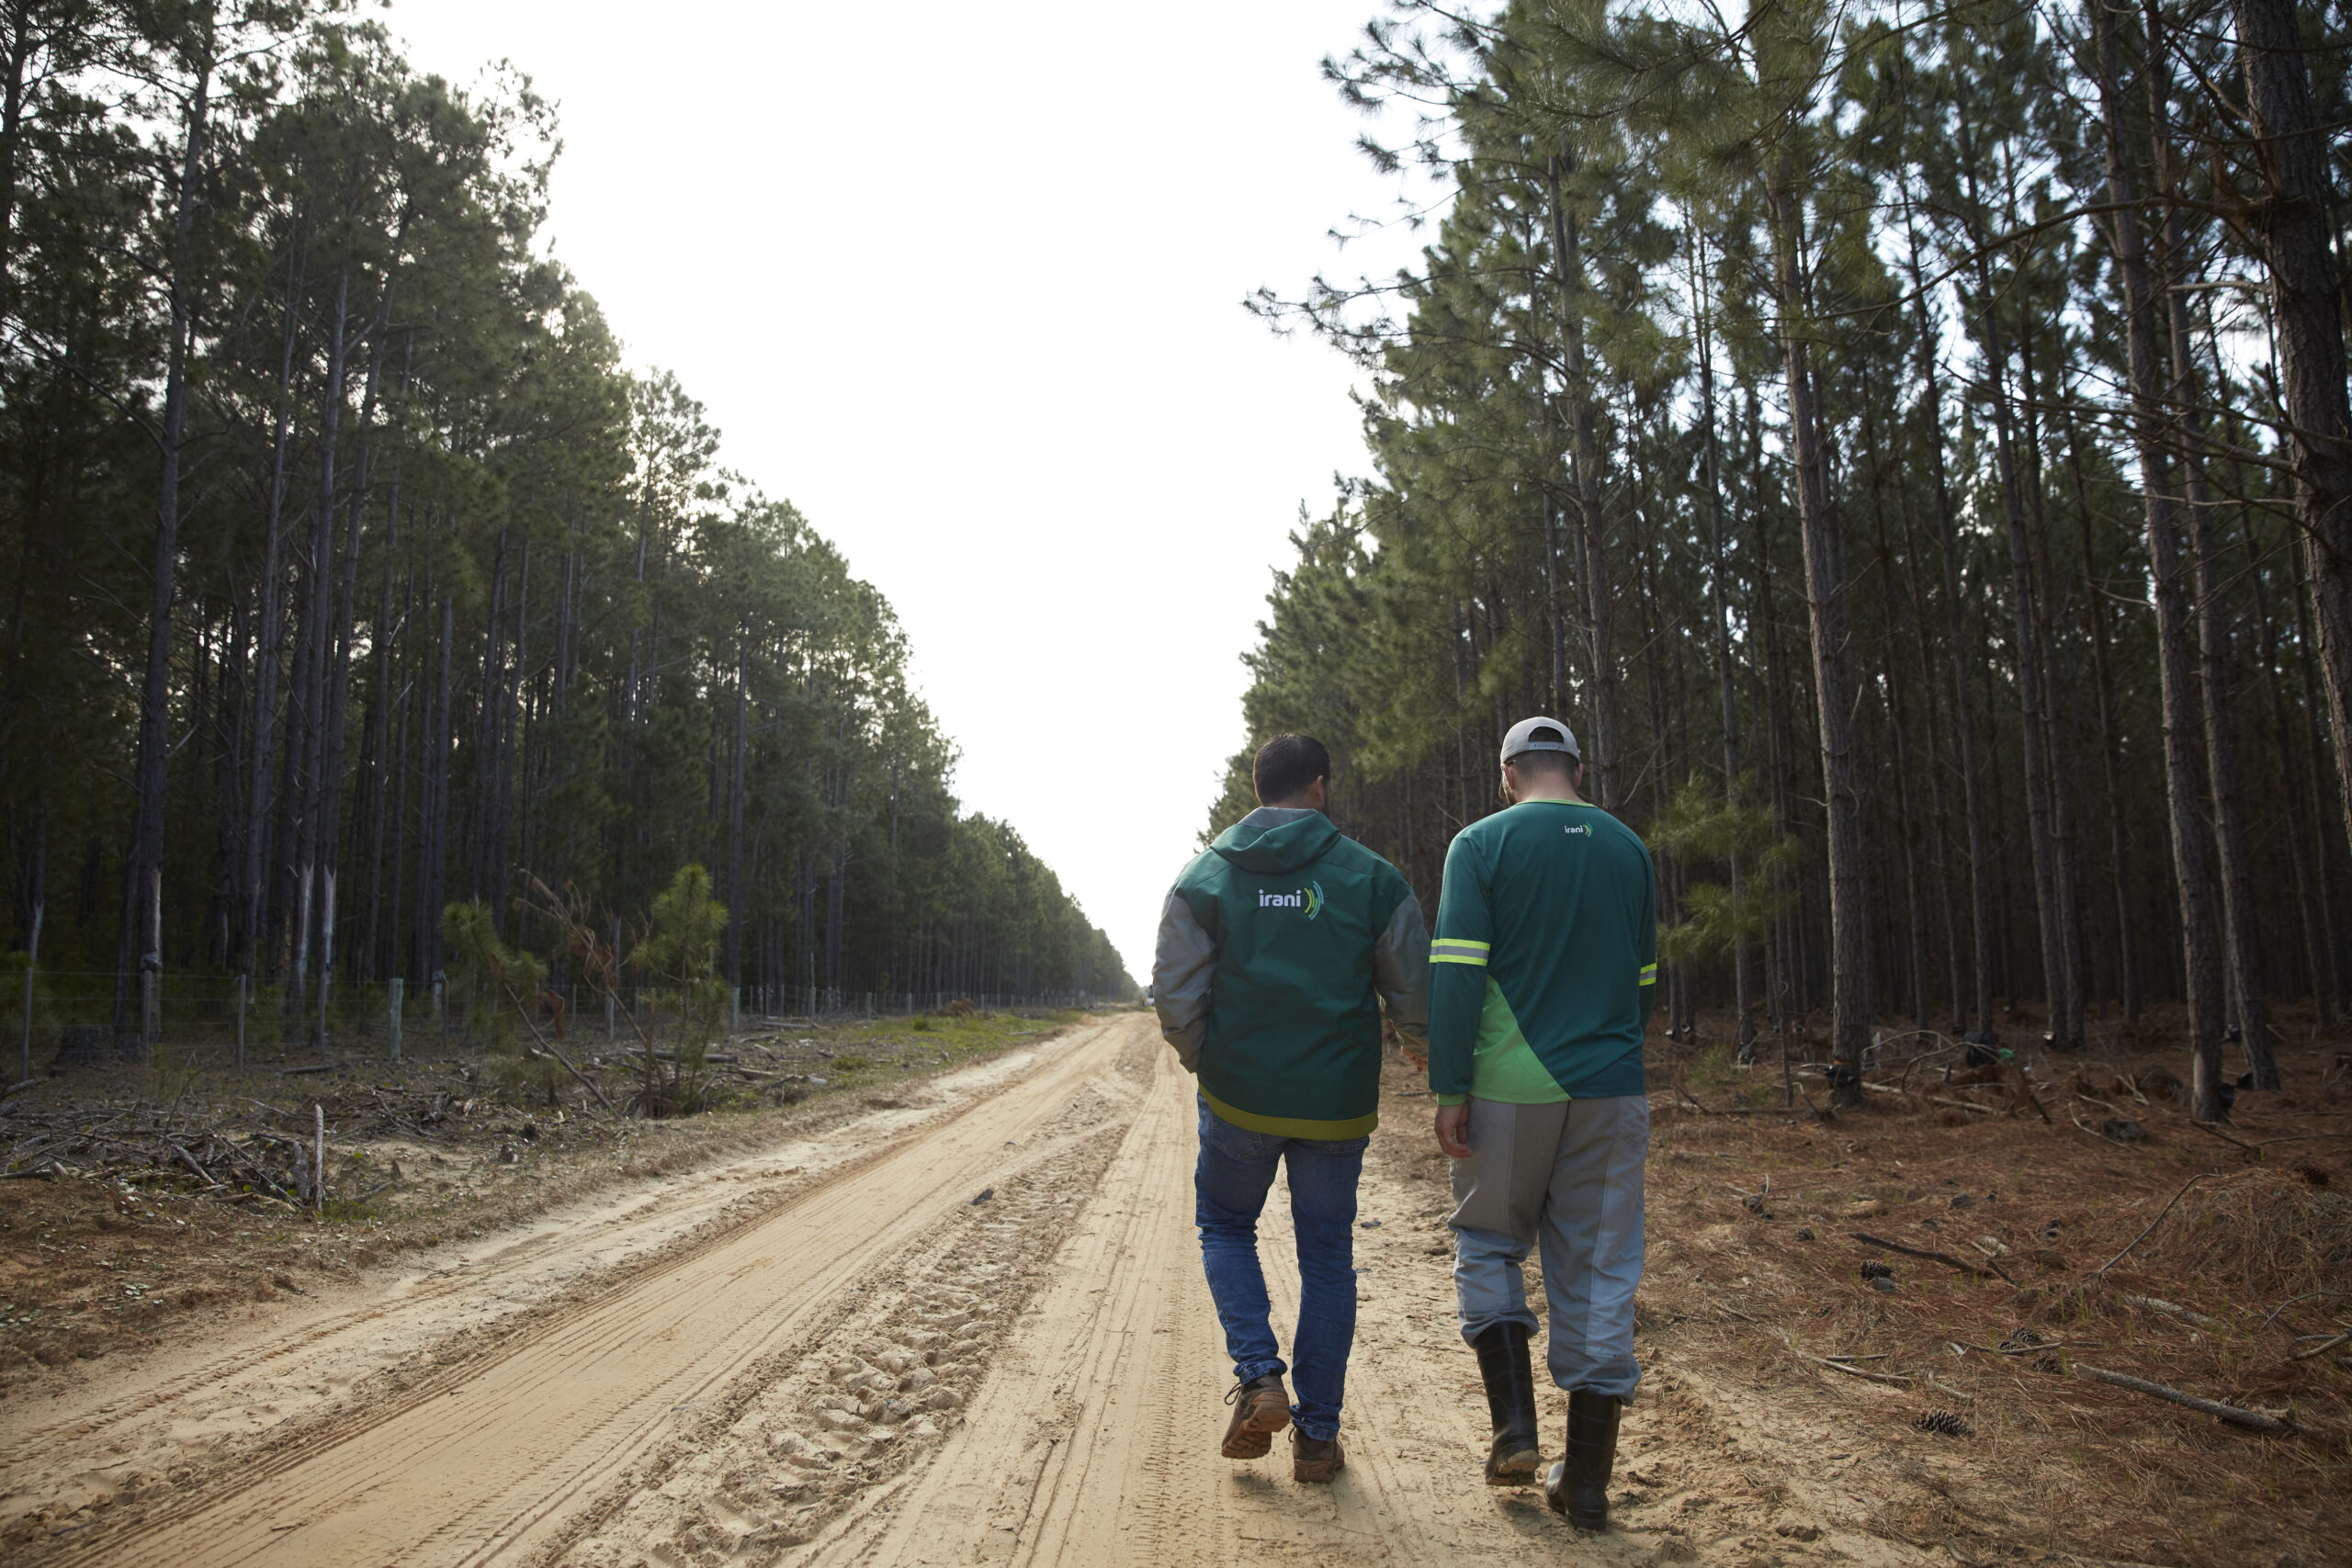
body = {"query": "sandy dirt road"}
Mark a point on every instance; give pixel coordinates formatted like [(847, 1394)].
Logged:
[(1095, 1440), (831, 1353)]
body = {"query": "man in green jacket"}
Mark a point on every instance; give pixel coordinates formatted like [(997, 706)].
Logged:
[(1543, 968), (1276, 948)]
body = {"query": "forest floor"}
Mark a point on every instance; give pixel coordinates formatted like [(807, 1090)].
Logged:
[(970, 1326)]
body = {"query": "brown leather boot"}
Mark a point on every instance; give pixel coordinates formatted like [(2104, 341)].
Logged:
[(1260, 1408), (1315, 1460)]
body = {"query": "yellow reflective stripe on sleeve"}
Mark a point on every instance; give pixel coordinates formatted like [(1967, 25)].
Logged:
[(1649, 973), (1455, 950)]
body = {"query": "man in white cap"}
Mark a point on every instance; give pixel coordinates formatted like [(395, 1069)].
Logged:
[(1542, 974)]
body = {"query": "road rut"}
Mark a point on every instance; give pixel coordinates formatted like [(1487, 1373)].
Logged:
[(486, 1469)]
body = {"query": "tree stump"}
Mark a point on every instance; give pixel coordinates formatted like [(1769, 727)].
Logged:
[(80, 1047)]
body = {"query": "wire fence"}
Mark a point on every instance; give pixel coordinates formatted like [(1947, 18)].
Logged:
[(799, 1001), (70, 1018)]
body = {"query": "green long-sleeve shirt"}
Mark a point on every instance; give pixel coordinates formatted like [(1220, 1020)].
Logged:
[(1545, 958)]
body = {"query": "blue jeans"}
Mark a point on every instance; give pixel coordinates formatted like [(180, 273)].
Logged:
[(1229, 1186)]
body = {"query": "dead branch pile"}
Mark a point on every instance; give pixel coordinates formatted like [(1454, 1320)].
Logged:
[(150, 1145)]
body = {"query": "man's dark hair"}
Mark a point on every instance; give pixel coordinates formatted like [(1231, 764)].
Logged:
[(1545, 764), (1287, 764)]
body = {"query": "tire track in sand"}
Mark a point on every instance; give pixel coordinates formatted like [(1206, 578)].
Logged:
[(1095, 1439), (1089, 1398), (486, 1469)]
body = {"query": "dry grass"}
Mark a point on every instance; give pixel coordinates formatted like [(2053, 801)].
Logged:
[(2267, 1230)]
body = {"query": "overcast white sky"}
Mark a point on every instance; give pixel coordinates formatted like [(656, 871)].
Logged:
[(962, 283)]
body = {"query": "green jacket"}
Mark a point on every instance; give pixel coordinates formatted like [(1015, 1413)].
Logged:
[(1546, 959), (1276, 947)]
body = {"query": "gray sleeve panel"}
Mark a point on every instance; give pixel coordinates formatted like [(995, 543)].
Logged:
[(1182, 968), (1400, 969)]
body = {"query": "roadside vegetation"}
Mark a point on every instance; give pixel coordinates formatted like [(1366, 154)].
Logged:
[(111, 1239)]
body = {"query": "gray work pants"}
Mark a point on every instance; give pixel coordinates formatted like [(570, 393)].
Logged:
[(1568, 1176)]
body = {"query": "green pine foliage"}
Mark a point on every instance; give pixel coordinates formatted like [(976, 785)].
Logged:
[(680, 952), (491, 986), (452, 596), (1706, 830), (1664, 231)]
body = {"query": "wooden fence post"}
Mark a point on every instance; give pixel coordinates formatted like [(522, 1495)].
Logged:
[(33, 961), (150, 962), (326, 960)]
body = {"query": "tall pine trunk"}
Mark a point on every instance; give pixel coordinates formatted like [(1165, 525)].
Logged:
[(2240, 923), (1592, 578), (1914, 906), (433, 837), (2303, 852), (735, 884), (2200, 933), (313, 647), (1720, 592), (2306, 304), (2061, 735), (1980, 894), (338, 696), (1940, 811), (2128, 979), (143, 917), (1833, 685), (2024, 616), (269, 637)]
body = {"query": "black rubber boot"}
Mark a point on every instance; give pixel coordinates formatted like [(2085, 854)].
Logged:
[(1578, 1485), (1516, 1454)]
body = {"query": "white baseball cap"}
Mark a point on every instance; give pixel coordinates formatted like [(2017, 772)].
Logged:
[(1540, 734)]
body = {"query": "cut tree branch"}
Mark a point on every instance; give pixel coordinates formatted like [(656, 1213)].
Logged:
[(2235, 1414), (2152, 1223), (1989, 1270)]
